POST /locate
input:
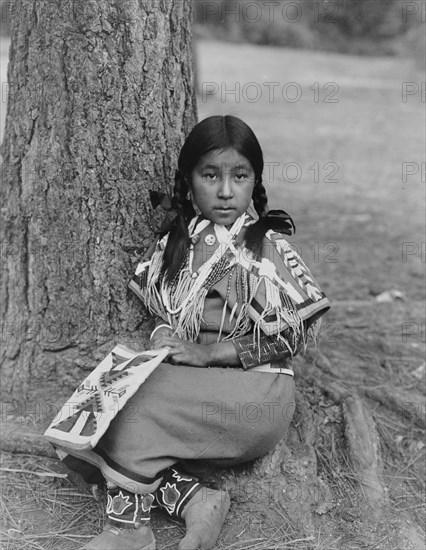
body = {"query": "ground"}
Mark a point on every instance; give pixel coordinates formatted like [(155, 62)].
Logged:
[(351, 147)]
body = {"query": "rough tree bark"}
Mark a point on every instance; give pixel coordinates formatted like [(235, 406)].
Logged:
[(101, 96)]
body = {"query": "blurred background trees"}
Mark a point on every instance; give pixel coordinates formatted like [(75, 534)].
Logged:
[(366, 27)]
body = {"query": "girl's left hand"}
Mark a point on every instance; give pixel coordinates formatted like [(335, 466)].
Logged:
[(183, 352)]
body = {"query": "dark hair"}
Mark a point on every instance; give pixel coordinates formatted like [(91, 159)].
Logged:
[(212, 133)]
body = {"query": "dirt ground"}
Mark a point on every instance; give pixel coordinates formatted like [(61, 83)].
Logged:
[(349, 171)]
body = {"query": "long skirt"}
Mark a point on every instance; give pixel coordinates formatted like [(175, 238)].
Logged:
[(215, 417)]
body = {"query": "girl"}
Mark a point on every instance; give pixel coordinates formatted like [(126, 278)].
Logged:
[(233, 304)]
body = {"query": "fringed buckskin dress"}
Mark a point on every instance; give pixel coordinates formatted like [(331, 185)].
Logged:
[(214, 416)]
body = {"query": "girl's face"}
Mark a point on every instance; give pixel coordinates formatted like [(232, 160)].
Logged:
[(222, 185)]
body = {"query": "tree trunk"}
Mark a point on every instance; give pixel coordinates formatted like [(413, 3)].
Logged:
[(101, 96)]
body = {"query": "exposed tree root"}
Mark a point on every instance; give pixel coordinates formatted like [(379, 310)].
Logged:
[(21, 438), (363, 449), (409, 405)]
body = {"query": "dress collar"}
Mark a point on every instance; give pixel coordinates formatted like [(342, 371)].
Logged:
[(199, 223)]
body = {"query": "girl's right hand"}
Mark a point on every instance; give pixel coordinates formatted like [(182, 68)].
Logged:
[(156, 341)]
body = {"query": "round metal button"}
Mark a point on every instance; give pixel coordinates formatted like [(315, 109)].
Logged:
[(210, 239)]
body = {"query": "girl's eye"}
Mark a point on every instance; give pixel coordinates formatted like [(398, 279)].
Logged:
[(241, 176), (209, 175)]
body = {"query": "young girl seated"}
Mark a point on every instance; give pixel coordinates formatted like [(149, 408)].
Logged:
[(233, 304)]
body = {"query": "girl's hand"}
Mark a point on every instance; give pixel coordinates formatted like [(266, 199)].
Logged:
[(155, 342), (183, 352)]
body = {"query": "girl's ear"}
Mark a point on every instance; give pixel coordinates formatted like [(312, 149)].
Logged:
[(188, 184), (251, 211), (191, 198), (194, 205)]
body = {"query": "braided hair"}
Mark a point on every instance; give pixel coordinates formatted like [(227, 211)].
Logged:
[(178, 241), (255, 232), (214, 133)]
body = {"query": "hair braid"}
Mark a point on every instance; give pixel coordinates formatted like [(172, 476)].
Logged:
[(180, 191), (277, 220), (178, 241), (256, 231), (260, 200)]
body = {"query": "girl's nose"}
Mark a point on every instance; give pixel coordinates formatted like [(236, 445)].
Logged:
[(225, 189)]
